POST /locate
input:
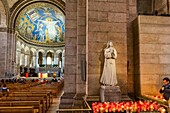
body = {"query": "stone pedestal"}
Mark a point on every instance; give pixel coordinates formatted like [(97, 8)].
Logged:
[(110, 93)]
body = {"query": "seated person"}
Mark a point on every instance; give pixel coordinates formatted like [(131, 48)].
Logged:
[(5, 90), (165, 88), (2, 80), (32, 80)]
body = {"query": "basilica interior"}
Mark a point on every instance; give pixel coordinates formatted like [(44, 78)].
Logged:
[(64, 41)]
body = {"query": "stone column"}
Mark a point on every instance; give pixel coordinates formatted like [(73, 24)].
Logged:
[(34, 61), (18, 57), (17, 61), (26, 60), (63, 58), (22, 62), (37, 65)]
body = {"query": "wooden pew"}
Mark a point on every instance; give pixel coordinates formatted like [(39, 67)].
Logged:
[(35, 92), (28, 109), (47, 97), (41, 99), (36, 104)]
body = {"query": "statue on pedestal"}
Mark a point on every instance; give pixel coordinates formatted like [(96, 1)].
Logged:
[(108, 90), (109, 71)]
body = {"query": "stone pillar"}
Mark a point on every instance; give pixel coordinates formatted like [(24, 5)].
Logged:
[(37, 65), (70, 46), (3, 44), (63, 58), (26, 60), (17, 61), (34, 61), (22, 62), (18, 57), (82, 26)]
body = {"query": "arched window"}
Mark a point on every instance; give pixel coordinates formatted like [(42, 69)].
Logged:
[(49, 58)]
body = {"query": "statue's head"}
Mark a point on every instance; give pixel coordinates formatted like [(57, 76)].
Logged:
[(111, 44)]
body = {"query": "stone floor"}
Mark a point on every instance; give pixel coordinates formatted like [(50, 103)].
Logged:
[(55, 104)]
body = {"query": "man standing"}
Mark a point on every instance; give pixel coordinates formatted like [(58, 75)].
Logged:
[(166, 88)]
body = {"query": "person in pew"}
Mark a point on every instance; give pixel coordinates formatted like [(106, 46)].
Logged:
[(2, 81), (54, 80), (5, 90), (165, 90), (45, 81), (32, 80)]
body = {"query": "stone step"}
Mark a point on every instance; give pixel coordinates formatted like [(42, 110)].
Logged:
[(125, 98), (68, 95), (93, 98), (65, 106), (78, 102), (77, 106), (79, 96), (67, 100)]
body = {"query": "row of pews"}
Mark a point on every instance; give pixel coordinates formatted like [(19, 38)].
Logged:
[(29, 97)]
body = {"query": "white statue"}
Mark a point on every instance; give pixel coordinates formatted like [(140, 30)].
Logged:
[(109, 71)]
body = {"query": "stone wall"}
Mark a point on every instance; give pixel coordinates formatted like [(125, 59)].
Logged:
[(3, 40), (106, 21), (152, 45)]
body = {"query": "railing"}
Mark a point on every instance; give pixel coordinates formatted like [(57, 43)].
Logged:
[(163, 103), (86, 108)]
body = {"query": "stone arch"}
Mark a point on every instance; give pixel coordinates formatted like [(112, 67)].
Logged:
[(27, 49), (10, 14), (33, 51), (4, 12), (22, 48), (18, 6), (41, 50), (18, 46)]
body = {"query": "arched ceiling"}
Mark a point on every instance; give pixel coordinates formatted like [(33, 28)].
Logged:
[(12, 2), (41, 22), (2, 15)]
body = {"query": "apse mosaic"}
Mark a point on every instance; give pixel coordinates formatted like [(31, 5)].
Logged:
[(41, 22)]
